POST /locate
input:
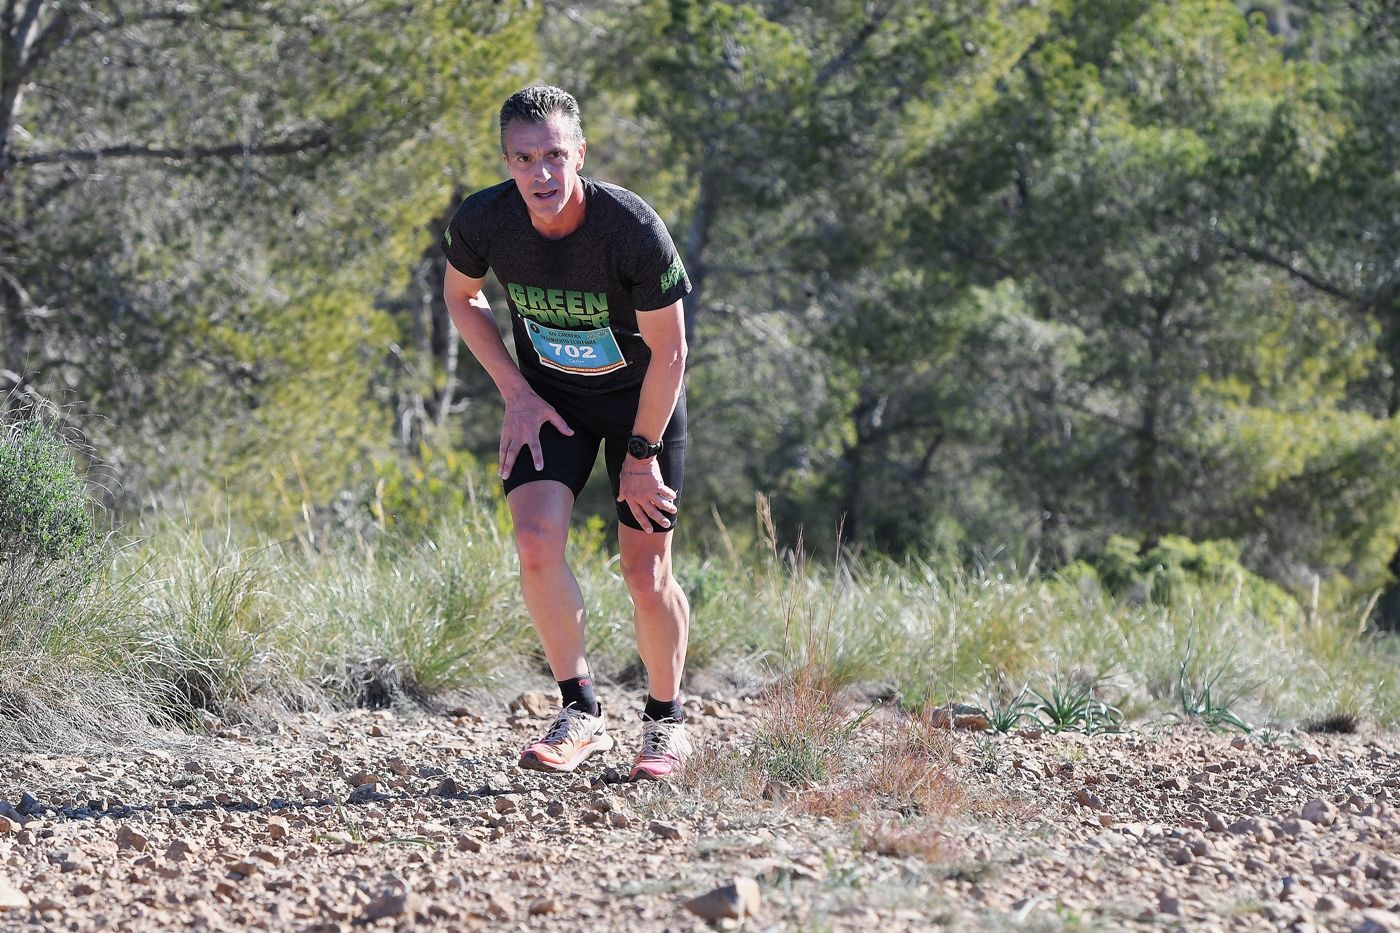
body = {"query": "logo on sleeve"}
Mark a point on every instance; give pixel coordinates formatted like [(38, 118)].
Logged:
[(447, 236), (672, 275)]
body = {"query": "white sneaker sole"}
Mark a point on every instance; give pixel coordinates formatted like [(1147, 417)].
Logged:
[(531, 762)]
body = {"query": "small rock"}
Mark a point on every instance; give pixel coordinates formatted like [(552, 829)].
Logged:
[(619, 820), (28, 804), (8, 825), (533, 703), (11, 897), (1169, 905), (178, 851), (959, 716), (554, 808), (266, 855), (1327, 904), (278, 827), (129, 838), (1320, 811), (499, 906), (543, 905), (505, 805), (391, 904), (1253, 826), (365, 793), (777, 791), (734, 901), (360, 778), (666, 830), (1087, 798), (1174, 783), (448, 788), (1216, 822), (468, 844), (1376, 921)]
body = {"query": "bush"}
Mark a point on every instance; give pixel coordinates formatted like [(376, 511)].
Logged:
[(45, 508), (1176, 566)]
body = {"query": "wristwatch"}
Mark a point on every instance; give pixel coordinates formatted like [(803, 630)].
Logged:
[(642, 449)]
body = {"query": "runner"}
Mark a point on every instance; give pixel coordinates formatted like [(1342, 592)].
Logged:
[(594, 286)]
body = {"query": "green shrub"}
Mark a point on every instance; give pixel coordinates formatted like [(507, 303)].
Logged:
[(45, 508), (1176, 566)]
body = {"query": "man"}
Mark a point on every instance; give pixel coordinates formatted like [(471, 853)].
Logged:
[(594, 285)]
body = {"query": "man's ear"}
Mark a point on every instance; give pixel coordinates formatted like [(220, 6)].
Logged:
[(582, 151)]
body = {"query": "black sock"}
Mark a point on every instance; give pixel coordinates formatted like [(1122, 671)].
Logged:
[(658, 710), (578, 693)]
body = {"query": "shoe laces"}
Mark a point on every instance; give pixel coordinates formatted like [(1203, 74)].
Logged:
[(571, 723), (663, 739)]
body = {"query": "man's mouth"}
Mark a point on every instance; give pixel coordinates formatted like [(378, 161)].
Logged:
[(545, 195)]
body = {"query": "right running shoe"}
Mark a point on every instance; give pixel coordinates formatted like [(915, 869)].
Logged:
[(573, 736)]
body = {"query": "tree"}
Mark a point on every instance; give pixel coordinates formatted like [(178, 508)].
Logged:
[(201, 202)]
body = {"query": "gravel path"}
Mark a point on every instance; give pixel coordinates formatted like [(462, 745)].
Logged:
[(386, 821)]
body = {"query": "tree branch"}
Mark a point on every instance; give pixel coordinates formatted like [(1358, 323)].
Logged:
[(1269, 259), (848, 54), (321, 139)]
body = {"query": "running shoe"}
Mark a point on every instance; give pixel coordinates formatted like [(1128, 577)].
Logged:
[(665, 747), (572, 738)]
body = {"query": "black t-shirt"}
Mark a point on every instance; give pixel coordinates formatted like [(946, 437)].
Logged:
[(574, 300)]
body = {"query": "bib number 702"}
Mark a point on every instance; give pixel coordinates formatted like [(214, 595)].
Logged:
[(575, 352)]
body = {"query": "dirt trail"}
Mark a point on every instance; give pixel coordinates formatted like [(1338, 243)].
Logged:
[(377, 820)]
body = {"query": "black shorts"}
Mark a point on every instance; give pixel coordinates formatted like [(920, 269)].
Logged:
[(606, 419)]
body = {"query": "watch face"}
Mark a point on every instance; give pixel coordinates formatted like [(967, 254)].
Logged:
[(638, 448)]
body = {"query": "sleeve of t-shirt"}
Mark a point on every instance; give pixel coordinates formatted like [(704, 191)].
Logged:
[(462, 241), (659, 278)]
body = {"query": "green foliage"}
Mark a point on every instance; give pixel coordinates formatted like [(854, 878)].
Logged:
[(1206, 699), (1176, 565), (45, 508), (411, 494), (1006, 713), (1074, 706)]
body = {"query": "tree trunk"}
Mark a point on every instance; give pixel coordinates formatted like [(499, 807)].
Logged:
[(697, 239)]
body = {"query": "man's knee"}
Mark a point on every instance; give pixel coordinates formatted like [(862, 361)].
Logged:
[(648, 577), (539, 544)]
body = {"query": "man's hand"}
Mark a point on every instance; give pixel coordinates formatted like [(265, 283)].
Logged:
[(526, 413), (651, 500)]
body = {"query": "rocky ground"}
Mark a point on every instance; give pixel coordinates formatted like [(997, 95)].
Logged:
[(389, 820)]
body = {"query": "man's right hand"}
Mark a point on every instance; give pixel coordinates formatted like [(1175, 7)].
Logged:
[(526, 413)]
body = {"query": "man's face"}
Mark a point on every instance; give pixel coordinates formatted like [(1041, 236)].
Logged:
[(544, 160)]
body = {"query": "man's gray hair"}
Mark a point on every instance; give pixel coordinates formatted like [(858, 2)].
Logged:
[(536, 105)]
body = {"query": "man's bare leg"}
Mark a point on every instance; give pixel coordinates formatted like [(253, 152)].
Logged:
[(662, 613), (662, 618), (541, 511)]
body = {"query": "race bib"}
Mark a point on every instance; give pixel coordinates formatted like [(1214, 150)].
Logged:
[(583, 352)]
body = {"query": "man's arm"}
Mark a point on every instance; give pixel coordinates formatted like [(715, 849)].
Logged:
[(526, 412), (663, 331)]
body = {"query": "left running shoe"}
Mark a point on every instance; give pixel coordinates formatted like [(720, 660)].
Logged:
[(570, 740), (665, 747)]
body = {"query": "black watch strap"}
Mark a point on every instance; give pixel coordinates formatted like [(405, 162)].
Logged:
[(642, 449)]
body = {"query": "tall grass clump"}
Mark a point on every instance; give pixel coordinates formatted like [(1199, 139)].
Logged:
[(1201, 640), (63, 677)]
